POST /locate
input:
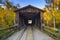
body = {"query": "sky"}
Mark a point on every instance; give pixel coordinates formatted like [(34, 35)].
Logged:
[(37, 3)]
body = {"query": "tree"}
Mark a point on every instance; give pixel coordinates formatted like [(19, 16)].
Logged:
[(51, 2), (54, 10), (7, 15), (18, 5)]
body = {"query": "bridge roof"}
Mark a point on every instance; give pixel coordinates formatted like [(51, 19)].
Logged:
[(29, 6)]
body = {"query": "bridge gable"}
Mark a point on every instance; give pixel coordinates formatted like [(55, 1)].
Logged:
[(29, 8)]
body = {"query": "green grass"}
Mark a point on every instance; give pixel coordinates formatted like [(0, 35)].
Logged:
[(6, 33), (52, 31)]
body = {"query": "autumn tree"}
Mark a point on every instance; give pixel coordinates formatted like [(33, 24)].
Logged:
[(54, 10), (7, 15)]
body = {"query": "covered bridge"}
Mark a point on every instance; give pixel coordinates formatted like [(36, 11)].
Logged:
[(29, 16)]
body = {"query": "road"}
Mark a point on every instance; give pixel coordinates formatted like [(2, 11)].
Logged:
[(30, 34)]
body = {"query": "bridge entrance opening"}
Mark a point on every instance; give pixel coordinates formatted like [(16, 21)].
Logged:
[(29, 21)]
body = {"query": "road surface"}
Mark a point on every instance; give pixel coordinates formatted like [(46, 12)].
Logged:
[(29, 34)]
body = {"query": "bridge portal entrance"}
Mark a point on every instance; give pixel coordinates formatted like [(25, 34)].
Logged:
[(29, 21), (29, 16)]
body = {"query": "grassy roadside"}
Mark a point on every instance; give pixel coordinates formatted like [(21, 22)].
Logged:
[(55, 33)]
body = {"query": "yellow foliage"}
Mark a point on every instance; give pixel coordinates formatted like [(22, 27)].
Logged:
[(51, 13), (7, 17), (47, 16)]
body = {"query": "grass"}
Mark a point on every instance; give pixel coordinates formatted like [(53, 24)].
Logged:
[(5, 33), (54, 32)]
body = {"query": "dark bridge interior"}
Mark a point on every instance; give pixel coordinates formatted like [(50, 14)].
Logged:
[(30, 18)]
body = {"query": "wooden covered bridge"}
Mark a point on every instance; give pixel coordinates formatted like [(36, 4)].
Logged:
[(29, 23), (29, 14)]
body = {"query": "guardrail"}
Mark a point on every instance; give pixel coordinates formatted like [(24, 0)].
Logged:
[(4, 33), (53, 33)]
